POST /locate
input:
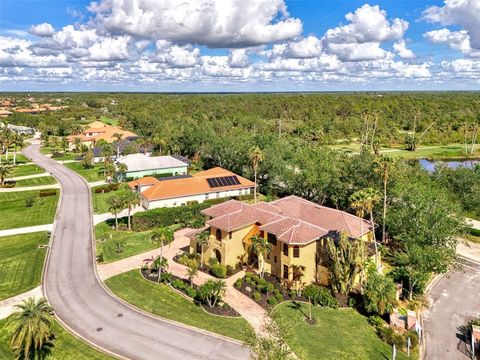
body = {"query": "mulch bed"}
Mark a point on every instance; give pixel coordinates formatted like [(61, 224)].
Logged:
[(222, 309)]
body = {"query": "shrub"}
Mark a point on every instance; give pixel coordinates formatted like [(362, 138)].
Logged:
[(229, 270), (279, 297), (412, 334), (255, 278), (386, 334), (46, 193), (380, 292), (292, 294), (276, 291), (192, 202), (270, 287), (191, 292), (178, 284), (213, 261), (166, 277), (474, 232), (238, 283), (376, 321), (248, 276), (30, 200), (272, 300), (159, 176), (256, 296), (352, 302), (259, 287), (320, 295), (219, 271)]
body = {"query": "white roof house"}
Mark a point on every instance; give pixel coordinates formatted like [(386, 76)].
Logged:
[(140, 165)]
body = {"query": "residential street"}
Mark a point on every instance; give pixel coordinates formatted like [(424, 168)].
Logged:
[(455, 299), (84, 305)]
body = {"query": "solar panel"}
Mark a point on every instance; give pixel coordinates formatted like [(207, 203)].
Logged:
[(223, 181)]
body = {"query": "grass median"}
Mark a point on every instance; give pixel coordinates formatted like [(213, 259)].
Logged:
[(38, 181), (163, 301), (21, 262)]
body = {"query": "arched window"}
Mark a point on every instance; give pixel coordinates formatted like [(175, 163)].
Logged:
[(296, 251), (218, 234)]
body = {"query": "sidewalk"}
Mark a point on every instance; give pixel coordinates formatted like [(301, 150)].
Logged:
[(250, 310), (468, 249), (26, 230), (7, 305)]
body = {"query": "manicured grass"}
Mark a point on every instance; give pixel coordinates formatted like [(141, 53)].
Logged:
[(132, 242), (44, 180), (91, 174), (24, 170), (15, 214), (19, 159), (21, 262), (163, 301), (108, 121), (424, 151), (338, 334), (67, 347), (100, 201)]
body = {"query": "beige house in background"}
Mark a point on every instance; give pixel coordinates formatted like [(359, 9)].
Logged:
[(296, 228)]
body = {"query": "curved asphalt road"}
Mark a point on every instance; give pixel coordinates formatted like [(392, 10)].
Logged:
[(455, 300), (83, 304)]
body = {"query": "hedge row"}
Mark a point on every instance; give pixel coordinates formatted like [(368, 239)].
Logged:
[(45, 193), (474, 232), (186, 215), (106, 188)]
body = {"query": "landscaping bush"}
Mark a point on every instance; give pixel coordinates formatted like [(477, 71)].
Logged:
[(166, 277), (279, 297), (213, 261), (474, 232), (256, 296), (376, 321), (276, 291), (30, 200), (163, 217), (320, 295), (102, 189), (219, 271), (178, 284), (256, 278), (159, 176), (229, 270), (272, 301), (238, 283), (46, 193), (412, 334), (259, 287), (192, 202), (191, 292)]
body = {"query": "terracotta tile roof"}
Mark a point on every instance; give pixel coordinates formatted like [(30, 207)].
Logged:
[(197, 184), (147, 180), (101, 133), (292, 219)]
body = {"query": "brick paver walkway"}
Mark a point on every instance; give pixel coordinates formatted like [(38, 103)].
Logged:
[(250, 310)]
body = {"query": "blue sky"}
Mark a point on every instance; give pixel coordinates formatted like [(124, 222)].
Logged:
[(239, 45)]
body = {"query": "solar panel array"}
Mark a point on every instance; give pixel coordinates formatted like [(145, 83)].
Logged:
[(223, 181)]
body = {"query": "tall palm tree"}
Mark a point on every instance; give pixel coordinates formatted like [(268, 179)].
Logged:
[(256, 156), (160, 237), (118, 137), (202, 238), (6, 170), (32, 334), (115, 204), (77, 142), (384, 165), (262, 248), (17, 141), (131, 198), (7, 141)]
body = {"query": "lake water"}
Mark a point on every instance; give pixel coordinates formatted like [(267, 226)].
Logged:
[(430, 165)]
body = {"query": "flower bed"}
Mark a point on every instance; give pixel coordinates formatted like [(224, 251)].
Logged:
[(212, 267), (190, 291)]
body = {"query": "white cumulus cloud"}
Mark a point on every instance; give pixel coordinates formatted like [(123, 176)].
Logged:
[(401, 49), (44, 29)]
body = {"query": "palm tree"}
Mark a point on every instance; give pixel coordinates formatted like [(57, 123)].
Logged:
[(6, 170), (158, 264), (203, 238), (131, 198), (192, 271), (17, 141), (384, 164), (143, 143), (118, 137), (159, 237), (7, 141), (298, 272), (262, 248), (32, 334), (78, 144), (256, 156), (121, 169), (115, 204)]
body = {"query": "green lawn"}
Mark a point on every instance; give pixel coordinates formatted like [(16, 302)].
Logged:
[(162, 301), (44, 180), (67, 347), (100, 201), (24, 170), (19, 159), (425, 151), (132, 242), (92, 174), (21, 262), (338, 334), (108, 121), (14, 213)]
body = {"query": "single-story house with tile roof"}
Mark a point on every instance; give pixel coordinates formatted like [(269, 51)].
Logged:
[(296, 228), (204, 185), (92, 135), (140, 165)]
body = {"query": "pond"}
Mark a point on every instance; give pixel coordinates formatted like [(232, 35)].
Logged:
[(430, 165)]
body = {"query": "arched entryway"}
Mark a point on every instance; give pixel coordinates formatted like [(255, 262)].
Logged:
[(218, 255)]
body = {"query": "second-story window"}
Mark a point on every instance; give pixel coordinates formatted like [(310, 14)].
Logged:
[(296, 251), (218, 234), (272, 239), (285, 249)]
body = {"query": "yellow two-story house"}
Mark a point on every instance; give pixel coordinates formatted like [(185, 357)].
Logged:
[(296, 228)]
